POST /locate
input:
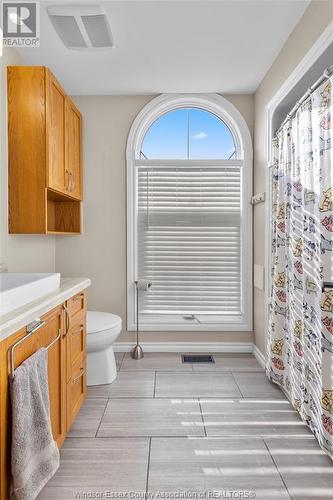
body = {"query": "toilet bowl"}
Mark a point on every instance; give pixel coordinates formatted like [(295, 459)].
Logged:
[(102, 331)]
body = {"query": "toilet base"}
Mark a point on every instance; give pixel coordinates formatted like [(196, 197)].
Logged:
[(101, 367)]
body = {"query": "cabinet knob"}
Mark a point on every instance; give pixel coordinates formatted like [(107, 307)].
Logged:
[(78, 297), (75, 379), (78, 332)]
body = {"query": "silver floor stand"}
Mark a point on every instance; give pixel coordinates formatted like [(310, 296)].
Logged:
[(137, 352)]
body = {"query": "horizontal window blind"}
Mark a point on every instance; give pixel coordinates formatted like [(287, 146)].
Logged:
[(188, 237)]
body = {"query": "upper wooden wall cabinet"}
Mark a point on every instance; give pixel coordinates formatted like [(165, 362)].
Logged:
[(44, 154)]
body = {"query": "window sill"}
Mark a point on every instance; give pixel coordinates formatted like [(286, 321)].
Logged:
[(237, 326)]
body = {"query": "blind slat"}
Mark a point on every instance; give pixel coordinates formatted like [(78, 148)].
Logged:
[(189, 221)]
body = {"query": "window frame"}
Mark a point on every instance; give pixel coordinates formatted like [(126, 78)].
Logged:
[(224, 110)]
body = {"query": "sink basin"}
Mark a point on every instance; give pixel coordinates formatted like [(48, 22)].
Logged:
[(18, 289)]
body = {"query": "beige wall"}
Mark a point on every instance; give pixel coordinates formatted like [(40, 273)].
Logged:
[(21, 253), (314, 21), (100, 252)]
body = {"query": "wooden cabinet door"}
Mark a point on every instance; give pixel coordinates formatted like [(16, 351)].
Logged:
[(54, 326), (73, 150), (57, 176)]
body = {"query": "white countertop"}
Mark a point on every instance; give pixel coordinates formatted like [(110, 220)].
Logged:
[(13, 321)]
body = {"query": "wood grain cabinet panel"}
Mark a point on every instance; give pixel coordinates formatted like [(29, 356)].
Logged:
[(26, 149), (56, 129), (76, 390), (44, 154), (76, 309), (73, 150), (56, 371), (76, 304), (76, 343)]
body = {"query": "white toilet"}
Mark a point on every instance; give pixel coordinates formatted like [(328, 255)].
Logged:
[(102, 331)]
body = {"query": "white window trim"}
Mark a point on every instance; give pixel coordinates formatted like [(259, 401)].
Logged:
[(223, 109)]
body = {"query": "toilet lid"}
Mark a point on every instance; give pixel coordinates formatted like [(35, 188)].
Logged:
[(99, 321)]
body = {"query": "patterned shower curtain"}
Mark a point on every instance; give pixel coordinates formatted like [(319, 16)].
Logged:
[(300, 349)]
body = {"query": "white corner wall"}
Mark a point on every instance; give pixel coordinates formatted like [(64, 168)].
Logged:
[(21, 253)]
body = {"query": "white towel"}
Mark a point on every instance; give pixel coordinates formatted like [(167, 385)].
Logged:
[(35, 455)]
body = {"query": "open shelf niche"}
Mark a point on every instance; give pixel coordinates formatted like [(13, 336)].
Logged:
[(63, 214)]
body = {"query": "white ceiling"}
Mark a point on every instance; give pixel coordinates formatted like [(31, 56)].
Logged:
[(173, 46)]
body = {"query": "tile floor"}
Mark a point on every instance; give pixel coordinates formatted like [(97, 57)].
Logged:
[(175, 431)]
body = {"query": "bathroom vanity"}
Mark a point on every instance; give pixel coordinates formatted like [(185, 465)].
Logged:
[(57, 320)]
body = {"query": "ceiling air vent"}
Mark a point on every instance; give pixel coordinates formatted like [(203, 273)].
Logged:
[(81, 27)]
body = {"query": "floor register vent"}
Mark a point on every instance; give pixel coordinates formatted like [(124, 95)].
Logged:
[(197, 358)]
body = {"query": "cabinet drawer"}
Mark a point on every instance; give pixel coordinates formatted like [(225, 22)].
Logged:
[(76, 342), (76, 304), (76, 390)]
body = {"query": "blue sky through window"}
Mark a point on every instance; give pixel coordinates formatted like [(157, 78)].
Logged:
[(191, 132)]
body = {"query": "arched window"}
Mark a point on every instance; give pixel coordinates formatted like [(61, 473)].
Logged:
[(189, 215), (188, 134)]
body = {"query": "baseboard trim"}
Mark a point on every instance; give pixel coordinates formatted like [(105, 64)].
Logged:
[(195, 347), (187, 346), (259, 356)]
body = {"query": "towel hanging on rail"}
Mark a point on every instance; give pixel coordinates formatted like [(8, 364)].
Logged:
[(35, 455)]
